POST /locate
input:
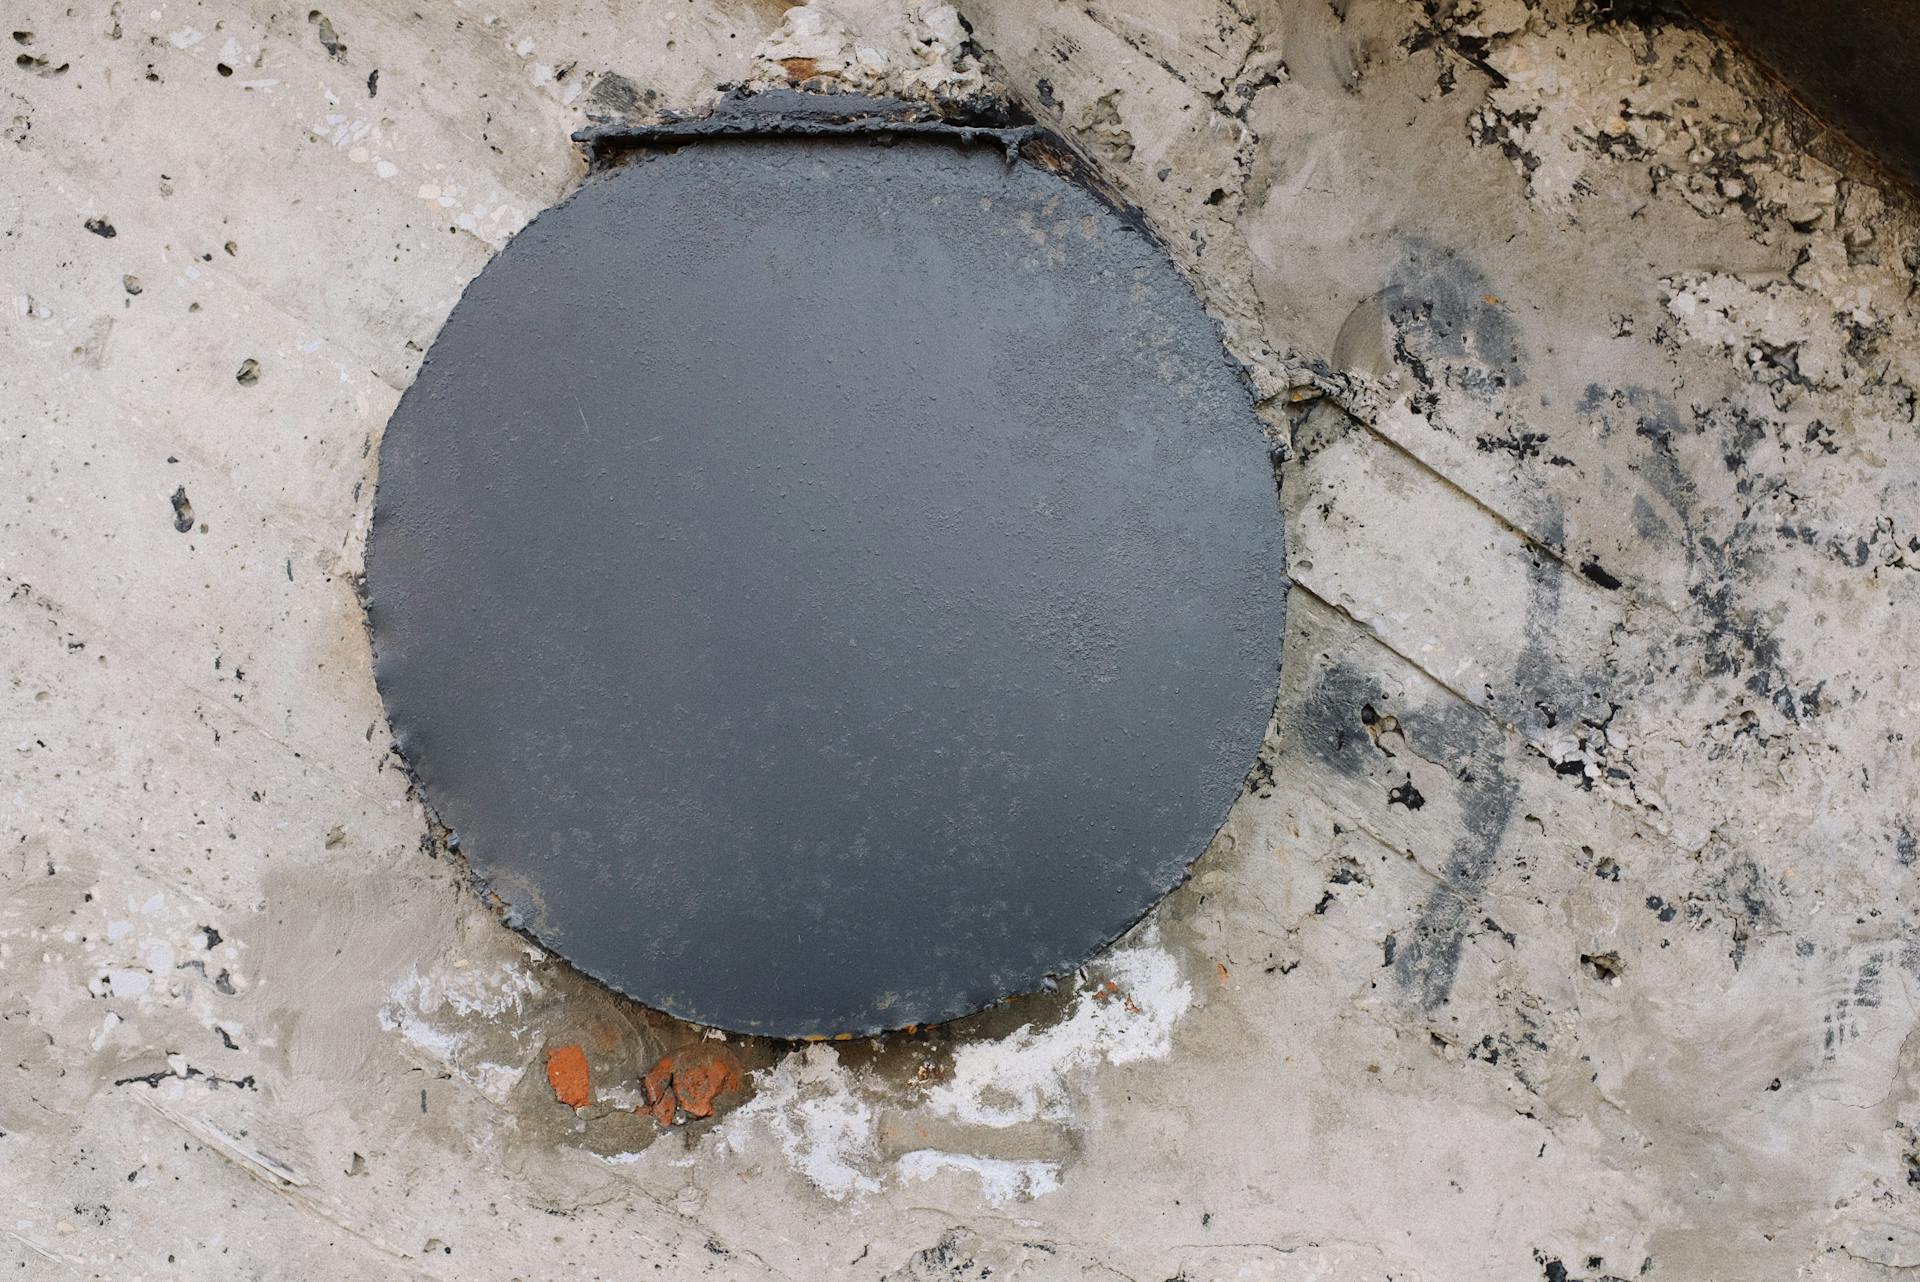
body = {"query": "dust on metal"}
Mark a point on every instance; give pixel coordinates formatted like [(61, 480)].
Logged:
[(829, 574)]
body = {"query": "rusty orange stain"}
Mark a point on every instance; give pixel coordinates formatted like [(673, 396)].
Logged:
[(800, 68), (1221, 969), (567, 1074)]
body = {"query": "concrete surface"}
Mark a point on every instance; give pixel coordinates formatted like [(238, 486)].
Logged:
[(1567, 929)]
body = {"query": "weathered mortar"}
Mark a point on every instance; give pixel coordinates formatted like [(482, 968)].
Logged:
[(1572, 936)]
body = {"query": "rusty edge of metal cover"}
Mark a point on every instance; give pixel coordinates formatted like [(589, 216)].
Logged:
[(791, 113), (741, 114)]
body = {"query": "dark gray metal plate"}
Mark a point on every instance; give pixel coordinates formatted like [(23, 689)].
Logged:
[(829, 586)]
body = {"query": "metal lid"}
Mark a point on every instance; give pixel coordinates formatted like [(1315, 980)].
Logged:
[(829, 583)]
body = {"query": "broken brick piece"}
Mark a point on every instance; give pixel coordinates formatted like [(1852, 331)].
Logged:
[(657, 1087), (567, 1074), (690, 1080), (704, 1074), (658, 1083)]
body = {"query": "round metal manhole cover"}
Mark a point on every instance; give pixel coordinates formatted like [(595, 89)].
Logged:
[(828, 586)]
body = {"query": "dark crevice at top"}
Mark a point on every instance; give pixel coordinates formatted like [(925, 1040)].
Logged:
[(799, 113)]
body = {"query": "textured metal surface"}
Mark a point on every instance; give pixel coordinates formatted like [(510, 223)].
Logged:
[(829, 586), (788, 113)]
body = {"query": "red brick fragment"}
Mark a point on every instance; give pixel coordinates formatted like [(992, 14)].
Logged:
[(690, 1080), (567, 1074), (657, 1087), (659, 1080), (702, 1075)]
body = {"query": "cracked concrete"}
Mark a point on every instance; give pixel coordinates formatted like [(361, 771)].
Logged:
[(1566, 928)]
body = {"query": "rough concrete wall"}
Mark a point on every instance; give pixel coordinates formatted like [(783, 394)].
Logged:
[(1565, 931)]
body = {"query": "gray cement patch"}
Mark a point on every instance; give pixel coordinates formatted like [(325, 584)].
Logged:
[(216, 866)]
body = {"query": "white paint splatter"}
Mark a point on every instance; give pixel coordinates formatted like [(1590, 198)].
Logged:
[(1001, 1180), (1025, 1075), (495, 1081), (489, 994), (820, 1115), (439, 1043), (623, 1159), (806, 1102)]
